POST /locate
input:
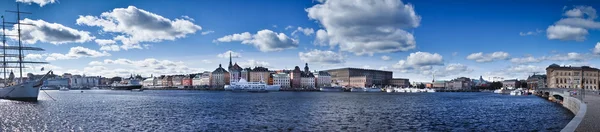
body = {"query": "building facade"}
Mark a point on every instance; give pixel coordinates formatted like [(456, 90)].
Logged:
[(375, 77), (358, 81), (78, 81), (151, 81), (511, 83), (219, 78), (323, 79), (282, 79), (295, 77), (536, 81), (399, 82), (572, 77), (259, 74)]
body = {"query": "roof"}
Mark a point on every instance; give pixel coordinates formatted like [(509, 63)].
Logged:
[(557, 67), (350, 68), (307, 74), (260, 69), (323, 73), (220, 70)]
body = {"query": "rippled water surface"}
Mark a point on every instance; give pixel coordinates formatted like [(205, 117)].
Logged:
[(105, 110)]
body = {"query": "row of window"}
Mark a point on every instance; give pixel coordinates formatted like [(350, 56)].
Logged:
[(574, 74), (586, 87), (586, 81)]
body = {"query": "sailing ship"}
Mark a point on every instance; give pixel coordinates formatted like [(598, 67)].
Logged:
[(22, 89)]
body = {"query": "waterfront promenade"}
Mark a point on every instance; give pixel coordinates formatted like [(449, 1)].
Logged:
[(591, 120), (587, 118)]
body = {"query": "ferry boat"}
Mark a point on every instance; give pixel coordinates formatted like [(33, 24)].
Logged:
[(21, 89), (129, 85), (372, 89), (246, 86)]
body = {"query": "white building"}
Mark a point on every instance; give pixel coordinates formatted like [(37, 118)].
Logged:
[(56, 82), (78, 81), (152, 81), (323, 79), (307, 79), (282, 79)]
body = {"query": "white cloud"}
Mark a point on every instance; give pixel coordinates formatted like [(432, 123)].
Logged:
[(596, 49), (107, 45), (206, 61), (537, 31), (188, 18), (54, 33), (383, 68), (34, 56), (575, 27), (451, 69), (288, 27), (527, 60), (229, 52), (419, 60), (581, 12), (254, 63), (386, 58), (207, 32), (39, 2), (264, 40), (366, 26), (524, 69), (136, 25), (572, 56), (366, 67), (305, 31), (125, 67), (480, 57), (76, 53), (322, 57)]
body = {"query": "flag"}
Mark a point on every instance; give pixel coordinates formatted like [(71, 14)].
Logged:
[(42, 69)]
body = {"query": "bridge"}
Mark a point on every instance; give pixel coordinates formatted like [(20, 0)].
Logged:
[(578, 101)]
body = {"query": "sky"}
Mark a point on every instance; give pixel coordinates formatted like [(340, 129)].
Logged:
[(416, 39)]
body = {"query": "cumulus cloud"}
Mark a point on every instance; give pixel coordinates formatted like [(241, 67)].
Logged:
[(39, 2), (125, 67), (137, 25), (366, 26), (107, 45), (563, 32), (386, 58), (34, 56), (527, 60), (537, 31), (420, 60), (451, 69), (254, 63), (579, 20), (229, 52), (264, 40), (572, 56), (76, 53), (54, 33), (322, 57), (207, 32), (481, 57), (525, 69), (305, 31)]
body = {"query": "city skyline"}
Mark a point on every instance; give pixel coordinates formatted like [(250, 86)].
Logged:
[(413, 39)]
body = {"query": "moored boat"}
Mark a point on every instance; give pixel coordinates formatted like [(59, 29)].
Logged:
[(331, 89)]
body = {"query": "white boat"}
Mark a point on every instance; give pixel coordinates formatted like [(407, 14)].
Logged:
[(63, 89), (227, 87), (389, 90), (414, 90), (400, 90), (430, 90), (502, 91), (26, 91), (372, 89), (23, 89), (246, 86), (518, 91)]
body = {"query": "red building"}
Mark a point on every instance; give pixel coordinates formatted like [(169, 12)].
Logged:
[(187, 82)]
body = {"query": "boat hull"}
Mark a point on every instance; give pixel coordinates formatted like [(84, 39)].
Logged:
[(22, 92), (126, 87), (273, 87)]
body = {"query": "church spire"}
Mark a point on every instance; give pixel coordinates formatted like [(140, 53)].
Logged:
[(230, 65)]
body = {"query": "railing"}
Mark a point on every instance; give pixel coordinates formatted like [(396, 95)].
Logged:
[(574, 92)]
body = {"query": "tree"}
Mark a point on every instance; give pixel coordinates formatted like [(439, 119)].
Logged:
[(496, 85), (524, 85)]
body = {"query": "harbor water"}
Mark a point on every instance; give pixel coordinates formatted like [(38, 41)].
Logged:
[(179, 110)]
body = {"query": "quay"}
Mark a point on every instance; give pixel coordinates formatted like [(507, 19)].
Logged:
[(578, 101)]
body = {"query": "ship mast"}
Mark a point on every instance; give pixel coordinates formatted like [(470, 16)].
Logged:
[(20, 48), (4, 51)]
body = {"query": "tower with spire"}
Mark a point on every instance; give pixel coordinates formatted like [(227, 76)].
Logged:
[(230, 65)]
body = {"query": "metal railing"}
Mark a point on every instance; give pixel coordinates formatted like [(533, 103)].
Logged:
[(574, 92)]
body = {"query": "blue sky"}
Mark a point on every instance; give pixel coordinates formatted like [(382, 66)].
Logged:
[(418, 38)]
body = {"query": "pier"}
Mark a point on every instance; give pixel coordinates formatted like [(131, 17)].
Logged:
[(578, 101)]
